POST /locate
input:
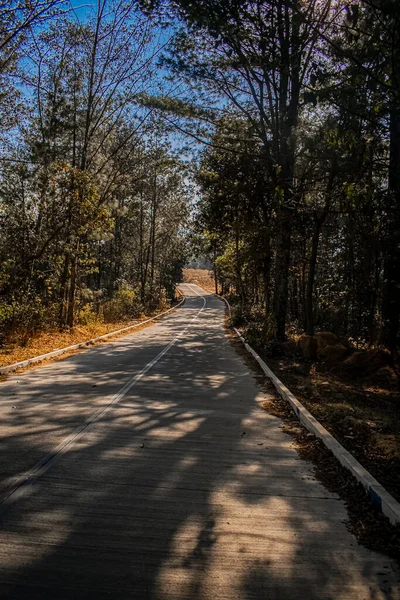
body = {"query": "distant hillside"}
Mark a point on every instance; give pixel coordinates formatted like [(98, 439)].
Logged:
[(203, 278)]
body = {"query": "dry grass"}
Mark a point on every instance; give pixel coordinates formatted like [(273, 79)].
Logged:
[(360, 408), (54, 340), (364, 417), (203, 277)]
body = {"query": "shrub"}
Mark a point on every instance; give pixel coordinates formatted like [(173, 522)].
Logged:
[(124, 305), (256, 313), (21, 319), (237, 316), (87, 315), (261, 334)]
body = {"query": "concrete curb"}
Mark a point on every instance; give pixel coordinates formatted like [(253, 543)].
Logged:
[(36, 359), (381, 498)]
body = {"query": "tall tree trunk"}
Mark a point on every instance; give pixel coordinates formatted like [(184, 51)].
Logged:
[(302, 287), (72, 292), (267, 275), (391, 293), (319, 220), (63, 292), (374, 297), (215, 267), (238, 268), (117, 249), (141, 254), (153, 231), (309, 313), (295, 297), (282, 264), (289, 95)]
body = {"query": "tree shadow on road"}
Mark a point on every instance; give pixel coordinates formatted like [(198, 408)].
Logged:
[(185, 489)]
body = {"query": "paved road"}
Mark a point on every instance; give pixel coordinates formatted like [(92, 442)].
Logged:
[(181, 487)]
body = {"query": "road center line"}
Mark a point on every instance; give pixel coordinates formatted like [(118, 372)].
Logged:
[(41, 467)]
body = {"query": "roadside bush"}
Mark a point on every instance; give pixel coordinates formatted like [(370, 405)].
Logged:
[(261, 334), (22, 319), (163, 302), (125, 304), (237, 317), (88, 315), (155, 298), (256, 313)]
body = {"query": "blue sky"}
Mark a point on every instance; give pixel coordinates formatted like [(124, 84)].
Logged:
[(81, 7)]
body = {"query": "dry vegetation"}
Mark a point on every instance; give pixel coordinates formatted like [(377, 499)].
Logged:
[(354, 392), (202, 277), (53, 340), (361, 410)]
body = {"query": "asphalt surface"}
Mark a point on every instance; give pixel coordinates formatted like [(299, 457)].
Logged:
[(154, 473)]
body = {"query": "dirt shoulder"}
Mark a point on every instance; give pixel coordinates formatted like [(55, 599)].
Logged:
[(361, 412)]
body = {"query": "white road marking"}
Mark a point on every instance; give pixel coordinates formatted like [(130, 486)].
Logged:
[(190, 285), (41, 467)]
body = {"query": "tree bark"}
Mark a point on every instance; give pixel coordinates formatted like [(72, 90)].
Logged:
[(63, 292), (391, 292), (309, 313), (295, 298), (142, 270), (238, 268), (153, 231), (309, 296), (215, 268), (71, 293), (267, 276), (282, 264)]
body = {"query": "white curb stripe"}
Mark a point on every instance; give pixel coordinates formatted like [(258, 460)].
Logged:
[(41, 467), (35, 359), (378, 494)]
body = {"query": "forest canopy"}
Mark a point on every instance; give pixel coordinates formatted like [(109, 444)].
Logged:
[(290, 112), (298, 105), (93, 200)]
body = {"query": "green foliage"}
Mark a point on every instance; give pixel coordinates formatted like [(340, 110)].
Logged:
[(88, 200), (260, 334), (21, 319), (303, 201), (87, 315), (126, 304), (237, 316), (298, 185)]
